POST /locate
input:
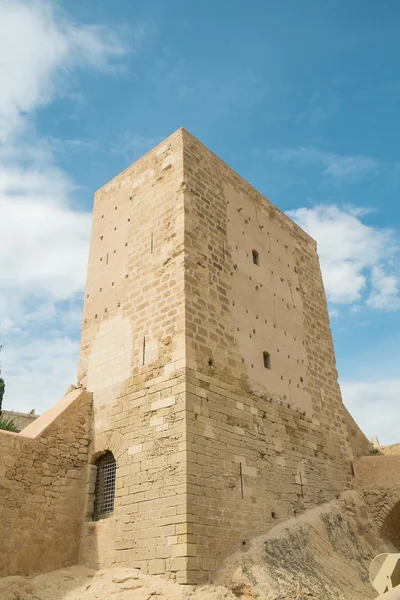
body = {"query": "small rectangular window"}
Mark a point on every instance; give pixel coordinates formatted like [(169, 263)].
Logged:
[(256, 257), (267, 360)]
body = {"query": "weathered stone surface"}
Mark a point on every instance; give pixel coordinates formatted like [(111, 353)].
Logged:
[(193, 276), (207, 347), (322, 555), (42, 489), (377, 478)]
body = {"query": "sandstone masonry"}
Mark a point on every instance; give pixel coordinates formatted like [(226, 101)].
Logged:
[(207, 347), (42, 486)]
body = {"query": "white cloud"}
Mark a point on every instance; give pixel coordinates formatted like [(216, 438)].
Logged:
[(375, 406), (39, 45), (385, 293), (356, 259), (43, 238), (334, 165), (132, 146), (38, 371), (43, 242)]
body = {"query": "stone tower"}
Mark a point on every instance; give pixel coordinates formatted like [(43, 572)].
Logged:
[(207, 346)]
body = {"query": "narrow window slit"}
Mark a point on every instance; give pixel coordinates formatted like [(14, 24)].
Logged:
[(144, 350), (241, 480), (267, 360), (256, 257)]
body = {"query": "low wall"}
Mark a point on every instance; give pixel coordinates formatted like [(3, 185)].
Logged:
[(377, 477), (359, 442), (20, 420), (42, 480)]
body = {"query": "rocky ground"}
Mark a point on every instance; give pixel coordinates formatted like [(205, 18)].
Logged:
[(321, 555)]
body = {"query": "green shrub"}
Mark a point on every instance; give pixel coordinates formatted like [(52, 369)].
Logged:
[(8, 424)]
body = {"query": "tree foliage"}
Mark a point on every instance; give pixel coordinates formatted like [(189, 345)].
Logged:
[(5, 424), (2, 390)]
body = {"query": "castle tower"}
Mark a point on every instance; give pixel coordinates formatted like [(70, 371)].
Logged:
[(207, 346)]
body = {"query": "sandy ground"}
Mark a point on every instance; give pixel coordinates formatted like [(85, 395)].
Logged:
[(321, 555)]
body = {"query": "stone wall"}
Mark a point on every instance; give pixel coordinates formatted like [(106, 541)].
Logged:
[(359, 443), (377, 478), (21, 420), (42, 478), (132, 359), (264, 442), (212, 444)]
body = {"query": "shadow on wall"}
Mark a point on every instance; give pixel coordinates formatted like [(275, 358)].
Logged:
[(391, 526), (101, 514), (377, 479)]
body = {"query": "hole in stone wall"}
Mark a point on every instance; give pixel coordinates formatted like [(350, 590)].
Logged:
[(273, 515), (267, 360), (210, 362)]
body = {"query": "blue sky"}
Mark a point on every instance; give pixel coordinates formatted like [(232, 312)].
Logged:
[(301, 98)]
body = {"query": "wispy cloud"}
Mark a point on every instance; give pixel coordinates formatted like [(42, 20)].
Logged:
[(333, 165), (43, 239), (359, 262), (40, 47), (385, 294), (132, 146), (375, 406)]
